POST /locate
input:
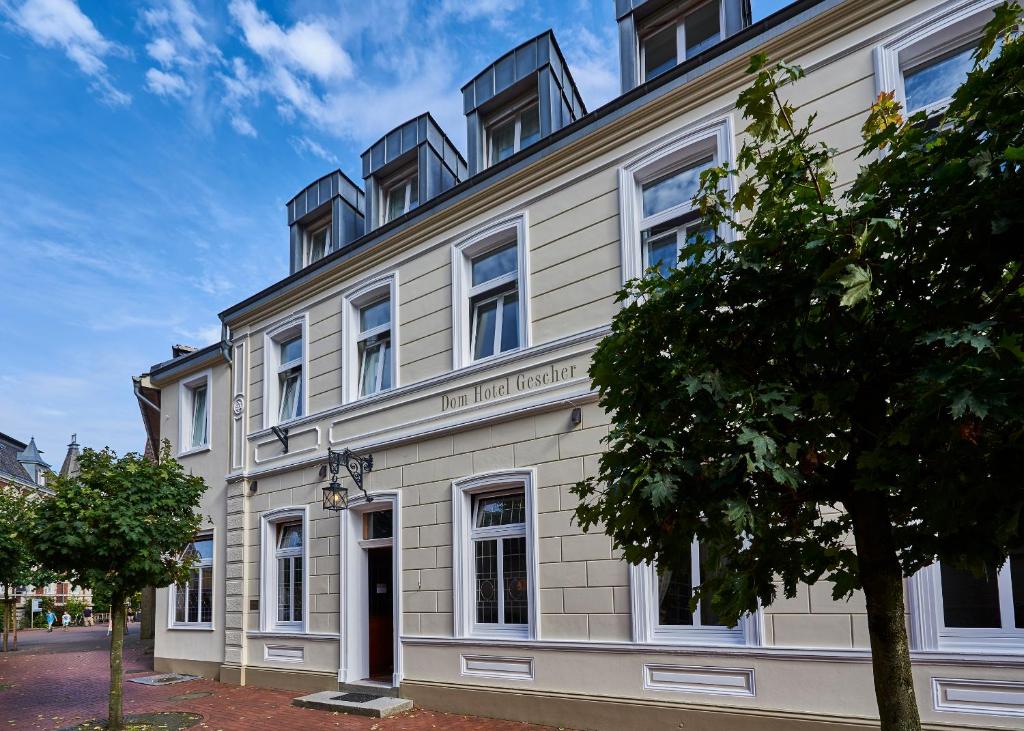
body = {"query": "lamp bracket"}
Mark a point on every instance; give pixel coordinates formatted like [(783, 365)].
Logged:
[(281, 432)]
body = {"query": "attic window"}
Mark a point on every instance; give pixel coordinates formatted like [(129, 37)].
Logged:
[(669, 40), (401, 195), (318, 242), (513, 130)]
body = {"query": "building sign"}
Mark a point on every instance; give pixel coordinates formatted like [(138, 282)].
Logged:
[(511, 385)]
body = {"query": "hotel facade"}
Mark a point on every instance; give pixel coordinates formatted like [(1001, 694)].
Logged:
[(440, 318)]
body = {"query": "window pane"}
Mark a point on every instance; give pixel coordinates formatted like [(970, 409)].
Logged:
[(297, 589), (485, 322), (193, 596), (701, 29), (1017, 584), (396, 201), (675, 189), (374, 315), (510, 322), (203, 547), (179, 602), (707, 617), (318, 244), (503, 138), (707, 234), (495, 263), (199, 416), (675, 589), (284, 582), (529, 126), (206, 596), (938, 80), (291, 350), (487, 582), (289, 535), (378, 524), (290, 407), (968, 600), (514, 581), (662, 252), (368, 369), (500, 510), (385, 379), (660, 52)]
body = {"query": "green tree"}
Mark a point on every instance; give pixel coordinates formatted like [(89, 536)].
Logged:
[(838, 393), (121, 523), (18, 565)]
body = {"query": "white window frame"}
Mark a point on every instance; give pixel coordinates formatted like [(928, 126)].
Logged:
[(515, 112), (367, 292), (928, 629), (322, 225), (683, 148), (186, 403), (643, 586), (501, 233), (679, 20), (272, 368), (206, 564), (927, 37), (463, 555), (269, 523), (408, 178)]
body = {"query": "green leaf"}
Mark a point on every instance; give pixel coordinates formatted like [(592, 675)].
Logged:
[(857, 283)]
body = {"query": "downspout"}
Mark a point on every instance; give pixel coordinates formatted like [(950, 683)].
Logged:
[(137, 383)]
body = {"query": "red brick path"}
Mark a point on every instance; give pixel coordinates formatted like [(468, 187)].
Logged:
[(48, 690)]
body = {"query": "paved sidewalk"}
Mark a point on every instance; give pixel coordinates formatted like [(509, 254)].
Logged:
[(41, 688)]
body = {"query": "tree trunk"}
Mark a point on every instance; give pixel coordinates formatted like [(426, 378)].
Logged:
[(15, 620), (882, 580), (6, 613), (115, 716)]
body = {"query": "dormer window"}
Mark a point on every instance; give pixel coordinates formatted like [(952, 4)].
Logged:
[(319, 242), (401, 195), (513, 131), (669, 40)]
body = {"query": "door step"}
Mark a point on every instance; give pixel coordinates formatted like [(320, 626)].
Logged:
[(374, 687), (354, 702)]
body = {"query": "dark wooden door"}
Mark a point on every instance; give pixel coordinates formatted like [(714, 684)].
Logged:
[(380, 593)]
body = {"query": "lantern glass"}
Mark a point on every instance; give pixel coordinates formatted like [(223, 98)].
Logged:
[(334, 497)]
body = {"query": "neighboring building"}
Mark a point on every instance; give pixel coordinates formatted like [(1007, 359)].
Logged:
[(443, 322)]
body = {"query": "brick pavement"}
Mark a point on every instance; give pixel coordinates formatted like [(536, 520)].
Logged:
[(48, 690)]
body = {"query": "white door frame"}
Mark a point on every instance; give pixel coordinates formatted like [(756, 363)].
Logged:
[(354, 602)]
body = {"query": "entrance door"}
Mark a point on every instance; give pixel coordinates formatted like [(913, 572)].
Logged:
[(381, 613)]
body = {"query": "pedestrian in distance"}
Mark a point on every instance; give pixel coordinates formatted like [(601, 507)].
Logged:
[(87, 616), (66, 620), (50, 619)]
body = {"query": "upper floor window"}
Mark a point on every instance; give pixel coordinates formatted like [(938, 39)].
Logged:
[(992, 604), (400, 195), (192, 601), (194, 414), (670, 223), (319, 242), (374, 347), (284, 569), (494, 302), (285, 388), (668, 40), (512, 131), (495, 561)]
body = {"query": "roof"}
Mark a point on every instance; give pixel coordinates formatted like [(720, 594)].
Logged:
[(32, 455), (10, 467), (195, 359), (70, 466)]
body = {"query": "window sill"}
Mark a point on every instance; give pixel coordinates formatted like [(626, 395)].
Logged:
[(191, 627), (284, 634), (196, 450), (493, 633), (699, 638), (496, 358)]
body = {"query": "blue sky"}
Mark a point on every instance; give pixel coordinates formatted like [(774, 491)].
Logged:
[(147, 149)]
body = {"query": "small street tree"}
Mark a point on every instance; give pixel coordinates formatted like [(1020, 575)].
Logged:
[(15, 553), (122, 524), (838, 392)]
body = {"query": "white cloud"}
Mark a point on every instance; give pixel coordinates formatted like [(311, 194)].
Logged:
[(163, 83), (307, 47), (593, 62), (199, 336), (62, 24), (304, 145), (162, 50), (243, 126)]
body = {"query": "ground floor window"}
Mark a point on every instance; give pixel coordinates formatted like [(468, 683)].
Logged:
[(193, 600), (283, 589)]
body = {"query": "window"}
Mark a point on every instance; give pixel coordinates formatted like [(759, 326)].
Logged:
[(192, 601), (496, 573), (285, 389), (664, 615), (491, 313), (513, 131), (926, 63), (194, 414), (369, 347), (400, 196), (284, 570), (319, 243), (693, 32), (659, 222), (374, 346)]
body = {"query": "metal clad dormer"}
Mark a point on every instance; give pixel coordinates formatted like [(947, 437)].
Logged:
[(333, 202), (534, 72), (408, 166), (664, 23)]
